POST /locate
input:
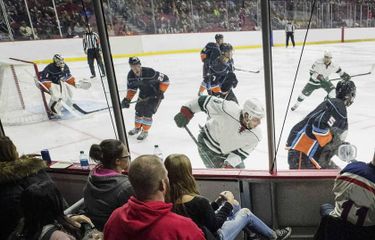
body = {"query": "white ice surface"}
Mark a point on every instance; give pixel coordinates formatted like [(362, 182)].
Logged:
[(65, 138)]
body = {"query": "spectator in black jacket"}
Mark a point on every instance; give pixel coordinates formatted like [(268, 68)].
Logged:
[(16, 174), (107, 188), (224, 224)]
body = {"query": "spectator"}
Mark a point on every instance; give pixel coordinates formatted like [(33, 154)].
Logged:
[(42, 205), (353, 216), (16, 174), (147, 216), (25, 31), (187, 202), (107, 188)]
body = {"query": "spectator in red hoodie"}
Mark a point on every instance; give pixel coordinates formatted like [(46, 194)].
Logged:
[(147, 216)]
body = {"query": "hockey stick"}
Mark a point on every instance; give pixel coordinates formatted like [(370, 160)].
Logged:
[(246, 70), (79, 109), (191, 135), (358, 75)]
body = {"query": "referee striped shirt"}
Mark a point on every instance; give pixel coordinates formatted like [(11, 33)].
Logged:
[(90, 41)]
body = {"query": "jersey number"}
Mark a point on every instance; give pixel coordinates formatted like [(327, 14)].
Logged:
[(161, 77), (331, 121), (361, 212)]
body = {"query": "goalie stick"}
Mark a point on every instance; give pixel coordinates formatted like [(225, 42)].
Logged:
[(79, 109), (359, 74)]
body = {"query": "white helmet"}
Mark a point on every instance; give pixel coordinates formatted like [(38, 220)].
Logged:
[(327, 54), (254, 108)]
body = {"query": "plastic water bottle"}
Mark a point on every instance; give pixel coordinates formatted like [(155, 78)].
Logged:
[(84, 160), (158, 153)]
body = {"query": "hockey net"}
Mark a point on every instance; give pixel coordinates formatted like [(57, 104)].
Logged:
[(21, 101)]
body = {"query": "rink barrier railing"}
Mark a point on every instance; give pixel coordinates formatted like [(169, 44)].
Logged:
[(197, 50)]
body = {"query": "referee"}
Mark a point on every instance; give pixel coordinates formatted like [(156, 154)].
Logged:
[(289, 30), (91, 46)]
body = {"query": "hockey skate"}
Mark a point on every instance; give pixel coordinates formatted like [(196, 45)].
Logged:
[(134, 131), (142, 135)]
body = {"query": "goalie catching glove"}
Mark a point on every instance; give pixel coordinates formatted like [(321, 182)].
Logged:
[(183, 118), (83, 84)]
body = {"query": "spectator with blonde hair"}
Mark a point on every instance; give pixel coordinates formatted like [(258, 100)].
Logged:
[(188, 202)]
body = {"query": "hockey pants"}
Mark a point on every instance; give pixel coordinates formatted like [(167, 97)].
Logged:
[(325, 84)]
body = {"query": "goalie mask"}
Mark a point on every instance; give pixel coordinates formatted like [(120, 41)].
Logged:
[(346, 91), (347, 152), (252, 113), (58, 61)]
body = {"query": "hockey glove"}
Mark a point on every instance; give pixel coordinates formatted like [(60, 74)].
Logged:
[(125, 103), (83, 84), (183, 118), (345, 77)]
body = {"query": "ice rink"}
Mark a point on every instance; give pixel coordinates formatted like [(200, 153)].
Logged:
[(65, 138)]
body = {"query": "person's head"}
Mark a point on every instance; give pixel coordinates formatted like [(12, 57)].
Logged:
[(252, 113), (111, 153), (135, 65), (327, 58), (148, 178), (346, 91), (219, 38), (347, 152), (8, 151), (58, 60), (88, 28), (42, 204), (226, 50), (180, 176)]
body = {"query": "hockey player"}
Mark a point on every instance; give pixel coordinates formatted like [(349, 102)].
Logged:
[(152, 86), (319, 78), (354, 193), (56, 80), (222, 79), (230, 133), (208, 54), (325, 125)]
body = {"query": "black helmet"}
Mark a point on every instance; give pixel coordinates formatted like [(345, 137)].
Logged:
[(346, 90), (134, 61), (218, 36), (226, 47), (58, 60)]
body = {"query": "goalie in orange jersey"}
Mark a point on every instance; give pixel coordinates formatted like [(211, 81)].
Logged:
[(56, 80), (322, 130), (152, 86)]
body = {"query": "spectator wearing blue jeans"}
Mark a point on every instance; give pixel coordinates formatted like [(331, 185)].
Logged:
[(222, 219)]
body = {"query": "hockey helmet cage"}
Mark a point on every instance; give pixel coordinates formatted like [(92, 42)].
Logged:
[(219, 36), (254, 108), (134, 61), (346, 91), (58, 60), (226, 47), (327, 54), (347, 152)]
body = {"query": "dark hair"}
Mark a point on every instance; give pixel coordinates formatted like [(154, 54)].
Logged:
[(180, 176), (145, 175), (42, 204), (8, 151), (107, 152)]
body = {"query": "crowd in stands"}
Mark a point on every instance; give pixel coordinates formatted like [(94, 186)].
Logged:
[(143, 204), (129, 17)]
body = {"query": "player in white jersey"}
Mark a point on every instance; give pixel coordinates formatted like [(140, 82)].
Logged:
[(319, 78), (354, 191), (230, 133)]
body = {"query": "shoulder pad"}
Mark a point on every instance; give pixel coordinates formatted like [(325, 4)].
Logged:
[(211, 45), (148, 72)]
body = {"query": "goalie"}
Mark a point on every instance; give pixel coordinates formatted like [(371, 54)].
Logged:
[(57, 81)]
